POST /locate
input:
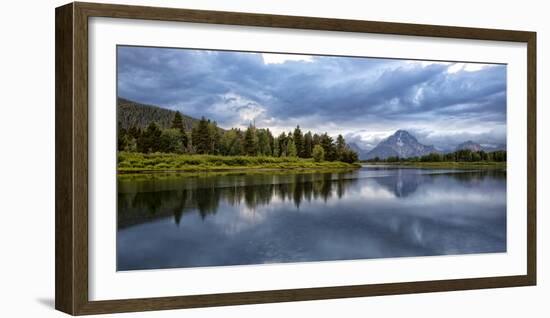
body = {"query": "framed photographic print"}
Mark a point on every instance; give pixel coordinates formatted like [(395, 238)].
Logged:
[(210, 158)]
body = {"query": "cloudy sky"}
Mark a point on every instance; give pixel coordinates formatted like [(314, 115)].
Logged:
[(364, 99)]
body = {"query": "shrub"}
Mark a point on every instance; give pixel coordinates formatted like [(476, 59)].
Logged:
[(318, 153)]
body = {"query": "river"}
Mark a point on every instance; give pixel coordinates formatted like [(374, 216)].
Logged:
[(216, 219)]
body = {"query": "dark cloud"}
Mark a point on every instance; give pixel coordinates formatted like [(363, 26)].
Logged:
[(362, 98)]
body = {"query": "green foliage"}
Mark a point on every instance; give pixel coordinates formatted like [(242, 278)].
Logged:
[(276, 147), (348, 155), (464, 155), (171, 141), (177, 123), (201, 136), (291, 149), (177, 133), (308, 145), (231, 143), (264, 147), (128, 162), (148, 141), (251, 141), (328, 146), (318, 153), (340, 147), (298, 139), (132, 114)]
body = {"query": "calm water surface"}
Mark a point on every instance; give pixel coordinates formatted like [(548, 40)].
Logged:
[(167, 221)]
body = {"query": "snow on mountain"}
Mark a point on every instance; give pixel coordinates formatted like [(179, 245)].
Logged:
[(401, 144)]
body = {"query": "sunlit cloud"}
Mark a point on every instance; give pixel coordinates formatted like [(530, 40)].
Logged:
[(364, 99)]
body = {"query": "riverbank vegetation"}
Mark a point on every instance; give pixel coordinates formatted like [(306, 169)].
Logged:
[(138, 162), (459, 159), (206, 146)]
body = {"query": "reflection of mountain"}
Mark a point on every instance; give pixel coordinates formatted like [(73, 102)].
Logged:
[(140, 204), (136, 207), (402, 184), (380, 214)]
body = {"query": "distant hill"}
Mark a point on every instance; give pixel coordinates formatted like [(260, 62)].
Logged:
[(473, 146), (469, 145), (361, 153), (401, 144), (491, 148), (131, 113)]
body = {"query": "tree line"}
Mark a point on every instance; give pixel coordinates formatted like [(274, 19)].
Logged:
[(464, 155), (207, 138)]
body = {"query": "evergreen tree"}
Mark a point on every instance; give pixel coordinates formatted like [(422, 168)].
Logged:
[(177, 123), (264, 148), (230, 143), (121, 137), (348, 155), (291, 149), (299, 141), (308, 145), (316, 139), (251, 141), (340, 147), (328, 146), (149, 139), (215, 138), (200, 136), (271, 141), (282, 145), (276, 148)]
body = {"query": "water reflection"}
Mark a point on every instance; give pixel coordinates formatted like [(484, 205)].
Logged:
[(205, 220)]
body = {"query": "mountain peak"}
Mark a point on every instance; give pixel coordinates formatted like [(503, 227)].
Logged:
[(469, 145), (401, 144)]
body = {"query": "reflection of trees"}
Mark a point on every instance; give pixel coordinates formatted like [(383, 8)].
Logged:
[(140, 207)]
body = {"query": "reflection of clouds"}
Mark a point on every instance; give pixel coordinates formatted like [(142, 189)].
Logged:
[(371, 218)]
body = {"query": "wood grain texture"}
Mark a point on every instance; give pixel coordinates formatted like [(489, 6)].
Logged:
[(64, 235), (532, 158), (72, 157)]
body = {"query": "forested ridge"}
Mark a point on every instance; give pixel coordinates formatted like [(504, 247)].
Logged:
[(150, 129), (133, 114)]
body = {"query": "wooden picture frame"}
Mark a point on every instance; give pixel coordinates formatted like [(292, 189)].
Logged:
[(71, 90)]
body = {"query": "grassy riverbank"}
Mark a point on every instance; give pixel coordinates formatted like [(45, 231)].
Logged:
[(158, 162), (445, 164)]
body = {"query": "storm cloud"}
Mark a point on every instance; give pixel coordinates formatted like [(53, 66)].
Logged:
[(365, 99)]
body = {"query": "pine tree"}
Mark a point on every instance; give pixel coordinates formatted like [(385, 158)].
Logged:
[(291, 149), (215, 138), (328, 146), (308, 145), (200, 136), (282, 145), (271, 141), (264, 148), (251, 141), (299, 141), (276, 148), (177, 123), (340, 147), (149, 139), (316, 139)]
